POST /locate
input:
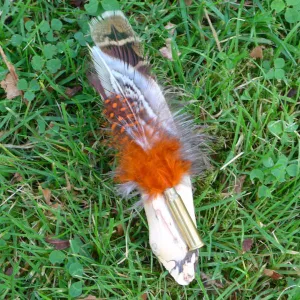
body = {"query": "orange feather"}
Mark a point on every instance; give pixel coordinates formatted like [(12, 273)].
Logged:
[(154, 170)]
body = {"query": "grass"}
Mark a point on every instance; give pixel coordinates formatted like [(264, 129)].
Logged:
[(54, 161)]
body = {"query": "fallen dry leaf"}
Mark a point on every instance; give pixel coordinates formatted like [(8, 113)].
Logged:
[(58, 244), (272, 274), (69, 186), (71, 92), (47, 195), (9, 84), (207, 281), (257, 52), (57, 205), (17, 178), (239, 184), (90, 297), (144, 296), (167, 51), (171, 28), (247, 244), (77, 3), (9, 271), (10, 87), (120, 230), (188, 2), (10, 67)]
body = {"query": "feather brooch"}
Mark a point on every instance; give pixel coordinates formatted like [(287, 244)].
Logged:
[(157, 150)]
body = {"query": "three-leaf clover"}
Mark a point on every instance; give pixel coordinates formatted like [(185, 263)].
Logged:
[(292, 13), (45, 28), (277, 71), (28, 89), (291, 9)]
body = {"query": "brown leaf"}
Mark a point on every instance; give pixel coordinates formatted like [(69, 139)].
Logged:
[(239, 184), (56, 205), (271, 273), (10, 67), (90, 297), (47, 195), (171, 28), (77, 3), (167, 51), (120, 230), (144, 296), (247, 244), (17, 178), (69, 186), (257, 52), (208, 282), (188, 2), (71, 92), (58, 244), (9, 271), (9, 84)]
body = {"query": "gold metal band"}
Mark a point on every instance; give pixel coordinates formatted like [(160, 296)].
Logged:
[(183, 219)]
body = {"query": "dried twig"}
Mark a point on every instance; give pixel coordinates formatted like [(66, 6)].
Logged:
[(24, 146), (215, 35)]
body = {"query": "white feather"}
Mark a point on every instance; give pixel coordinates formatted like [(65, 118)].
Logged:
[(112, 13), (108, 81), (154, 98)]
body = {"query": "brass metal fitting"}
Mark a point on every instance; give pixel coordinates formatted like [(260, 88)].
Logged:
[(183, 219)]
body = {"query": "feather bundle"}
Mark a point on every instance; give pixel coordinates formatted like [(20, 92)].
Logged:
[(156, 149)]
